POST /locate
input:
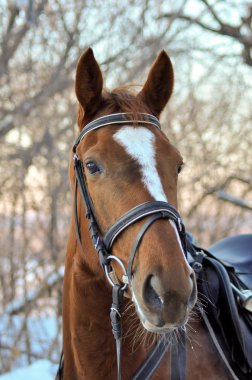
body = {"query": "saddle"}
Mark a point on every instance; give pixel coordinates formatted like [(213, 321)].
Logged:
[(224, 279)]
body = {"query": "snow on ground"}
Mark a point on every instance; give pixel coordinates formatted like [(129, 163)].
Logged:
[(40, 370), (42, 331)]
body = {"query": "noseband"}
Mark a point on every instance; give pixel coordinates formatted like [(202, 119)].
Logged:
[(150, 211)]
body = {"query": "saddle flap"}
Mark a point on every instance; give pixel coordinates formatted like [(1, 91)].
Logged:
[(228, 319), (235, 251)]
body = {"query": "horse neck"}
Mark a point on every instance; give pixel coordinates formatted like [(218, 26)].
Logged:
[(86, 299), (88, 341)]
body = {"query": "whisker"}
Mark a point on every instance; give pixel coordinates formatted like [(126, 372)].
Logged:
[(136, 338), (202, 296)]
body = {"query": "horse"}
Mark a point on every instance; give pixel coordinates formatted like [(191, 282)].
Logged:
[(123, 172)]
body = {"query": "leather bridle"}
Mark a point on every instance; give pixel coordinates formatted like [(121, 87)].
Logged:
[(103, 243)]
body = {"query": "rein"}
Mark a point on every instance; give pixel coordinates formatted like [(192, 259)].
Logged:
[(103, 244)]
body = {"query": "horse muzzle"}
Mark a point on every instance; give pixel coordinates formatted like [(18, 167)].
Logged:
[(161, 308)]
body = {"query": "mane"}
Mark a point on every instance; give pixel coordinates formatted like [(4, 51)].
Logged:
[(121, 99)]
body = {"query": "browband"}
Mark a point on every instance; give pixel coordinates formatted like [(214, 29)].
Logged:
[(116, 118)]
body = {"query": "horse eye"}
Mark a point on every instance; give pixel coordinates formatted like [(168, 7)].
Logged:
[(179, 168), (92, 167)]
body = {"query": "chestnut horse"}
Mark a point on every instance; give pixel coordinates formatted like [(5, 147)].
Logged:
[(128, 164)]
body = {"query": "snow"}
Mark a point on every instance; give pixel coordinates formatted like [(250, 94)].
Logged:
[(43, 331), (40, 370)]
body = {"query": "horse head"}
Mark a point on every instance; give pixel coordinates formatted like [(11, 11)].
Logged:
[(127, 165)]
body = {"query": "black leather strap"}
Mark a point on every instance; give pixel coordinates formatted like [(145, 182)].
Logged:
[(138, 242), (60, 368), (152, 362), (217, 345), (115, 316), (178, 358), (165, 209), (88, 204), (90, 214), (76, 218), (117, 118)]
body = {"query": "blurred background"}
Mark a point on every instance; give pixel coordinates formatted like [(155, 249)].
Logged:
[(209, 119)]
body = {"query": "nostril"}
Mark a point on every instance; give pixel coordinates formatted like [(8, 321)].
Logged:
[(150, 295)]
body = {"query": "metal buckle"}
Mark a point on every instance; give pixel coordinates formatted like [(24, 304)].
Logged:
[(112, 257), (244, 297), (75, 157), (197, 264), (125, 279)]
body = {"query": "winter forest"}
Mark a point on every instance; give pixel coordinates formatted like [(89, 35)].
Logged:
[(209, 119)]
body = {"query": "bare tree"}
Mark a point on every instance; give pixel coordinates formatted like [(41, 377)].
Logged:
[(226, 19), (208, 119)]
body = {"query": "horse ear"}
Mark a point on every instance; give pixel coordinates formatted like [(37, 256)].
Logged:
[(159, 85), (88, 82)]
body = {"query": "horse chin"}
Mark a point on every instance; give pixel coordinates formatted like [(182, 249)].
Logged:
[(165, 329), (158, 330)]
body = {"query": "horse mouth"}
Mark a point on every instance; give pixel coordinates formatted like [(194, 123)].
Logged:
[(158, 330)]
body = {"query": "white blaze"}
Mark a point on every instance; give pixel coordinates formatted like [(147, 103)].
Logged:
[(140, 145)]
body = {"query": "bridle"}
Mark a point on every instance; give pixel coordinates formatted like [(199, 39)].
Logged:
[(152, 209), (103, 244)]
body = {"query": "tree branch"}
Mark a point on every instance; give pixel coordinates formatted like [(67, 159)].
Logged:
[(18, 351), (19, 306), (11, 41), (235, 32), (224, 196)]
